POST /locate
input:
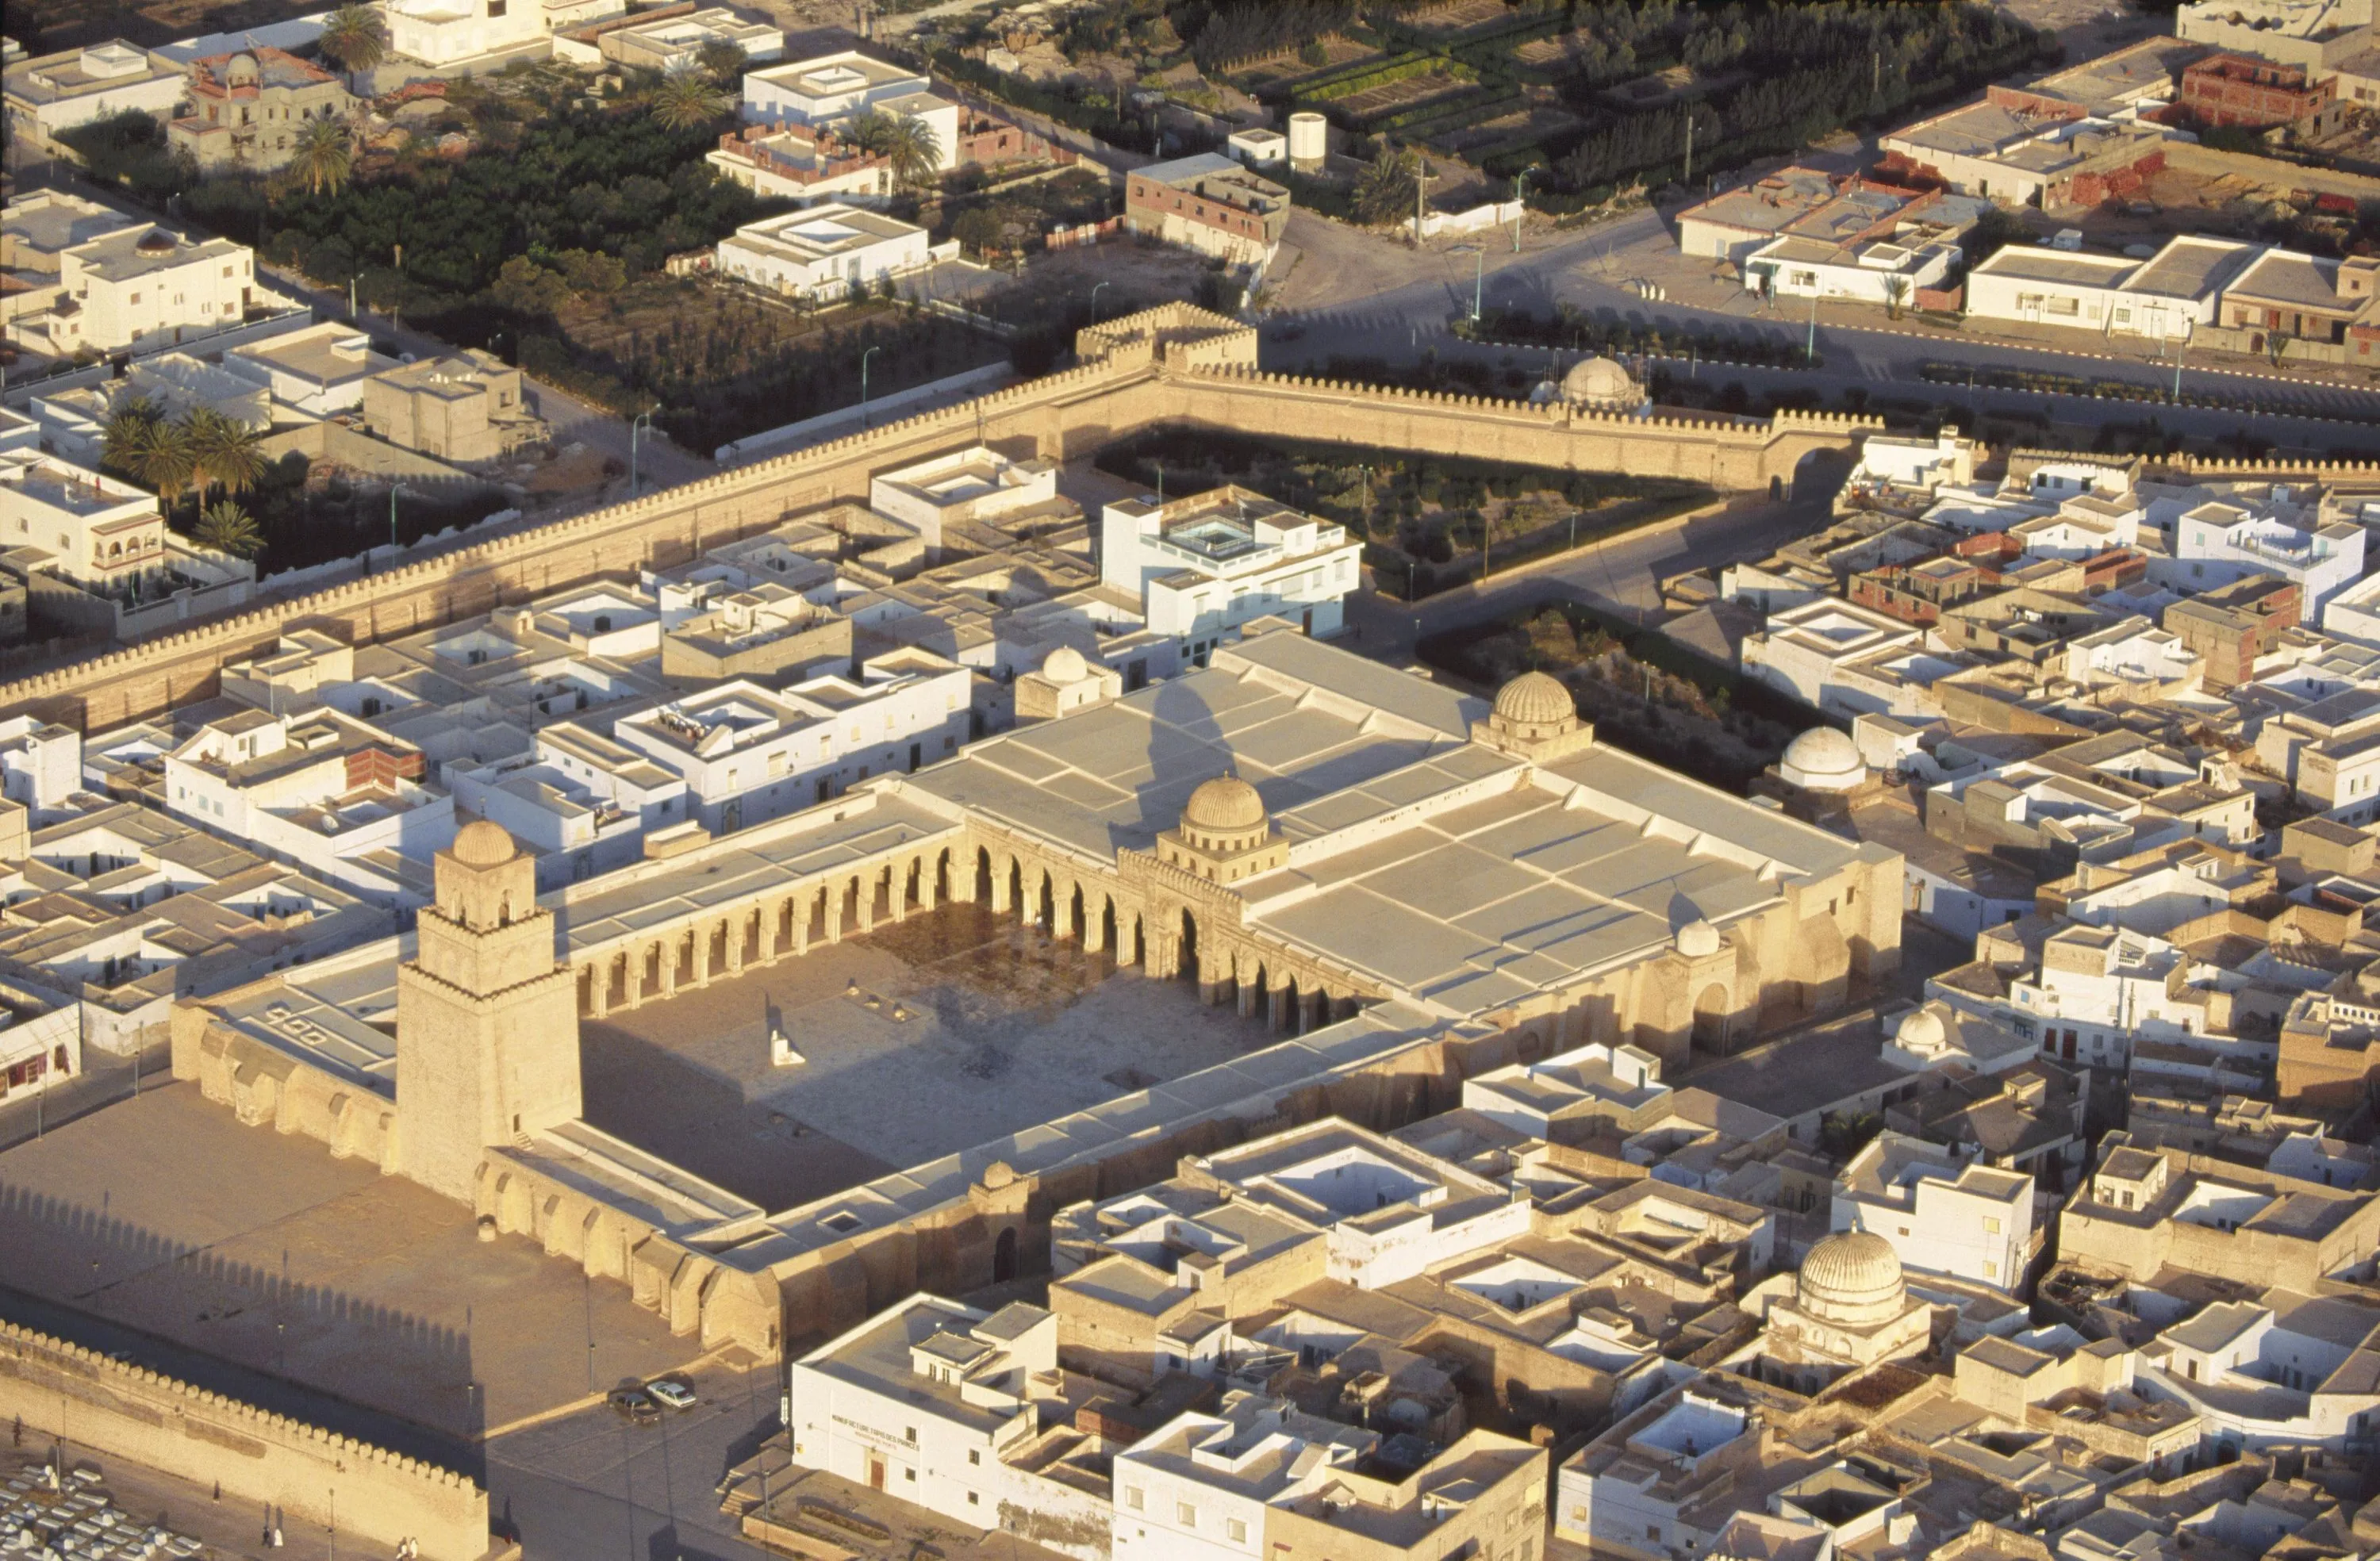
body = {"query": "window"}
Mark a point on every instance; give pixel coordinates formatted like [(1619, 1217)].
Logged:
[(1185, 1514), (1991, 1269), (912, 1433), (1132, 1497), (1236, 1530), (973, 1500), (1991, 1224), (909, 1474), (975, 1455)]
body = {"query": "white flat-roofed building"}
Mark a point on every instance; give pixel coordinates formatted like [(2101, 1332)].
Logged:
[(748, 753), (2314, 541), (1259, 1477), (1804, 650), (145, 287), (101, 534), (1207, 564), (822, 250), (60, 91), (1943, 1215), (831, 88), (323, 791), (923, 1402), (178, 385), (2164, 298), (1635, 1492), (974, 484), (2314, 35), (444, 32), (41, 766), (802, 163), (1876, 271), (2284, 1371), (320, 370), (676, 42)]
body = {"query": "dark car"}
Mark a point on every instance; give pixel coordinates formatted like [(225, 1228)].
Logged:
[(1289, 331), (630, 1403)]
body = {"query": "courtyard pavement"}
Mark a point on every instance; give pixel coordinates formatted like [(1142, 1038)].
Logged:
[(924, 1038)]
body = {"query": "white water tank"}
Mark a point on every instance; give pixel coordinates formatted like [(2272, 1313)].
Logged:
[(1308, 138)]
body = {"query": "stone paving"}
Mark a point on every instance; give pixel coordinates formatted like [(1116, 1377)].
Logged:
[(166, 1215), (922, 1038)]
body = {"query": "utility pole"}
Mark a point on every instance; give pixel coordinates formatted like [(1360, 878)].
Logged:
[(1689, 179), (1423, 179), (1521, 205)]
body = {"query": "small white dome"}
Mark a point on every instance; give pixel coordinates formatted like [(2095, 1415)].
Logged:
[(1823, 760), (1698, 940), (1065, 664), (1536, 699), (1599, 381), (1922, 1031)]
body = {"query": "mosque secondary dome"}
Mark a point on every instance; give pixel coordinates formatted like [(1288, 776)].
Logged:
[(1223, 805), (1536, 699)]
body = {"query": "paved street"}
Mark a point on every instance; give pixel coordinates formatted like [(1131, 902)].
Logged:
[(1358, 294)]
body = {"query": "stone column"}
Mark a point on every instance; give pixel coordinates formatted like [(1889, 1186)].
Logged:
[(998, 890), (802, 903), (735, 926), (926, 894), (632, 978), (900, 881), (667, 962), (862, 896), (599, 989), (1094, 928), (834, 914), (1066, 924), (1277, 1008), (963, 877), (1212, 975), (1247, 990)]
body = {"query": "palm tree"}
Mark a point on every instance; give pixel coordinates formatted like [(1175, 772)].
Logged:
[(323, 156), (227, 529), (157, 455), (904, 141), (130, 428), (356, 37), (722, 60), (224, 452), (684, 98), (1896, 293)]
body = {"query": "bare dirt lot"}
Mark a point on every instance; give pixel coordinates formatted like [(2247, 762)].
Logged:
[(924, 1038)]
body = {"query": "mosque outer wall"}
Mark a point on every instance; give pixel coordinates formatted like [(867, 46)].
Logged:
[(1171, 364), (128, 1411)]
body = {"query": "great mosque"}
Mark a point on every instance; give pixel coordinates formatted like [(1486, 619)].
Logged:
[(1410, 883)]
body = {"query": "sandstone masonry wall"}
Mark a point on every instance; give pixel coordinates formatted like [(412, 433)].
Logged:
[(130, 1412)]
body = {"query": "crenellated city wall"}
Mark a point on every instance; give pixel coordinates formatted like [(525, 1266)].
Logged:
[(1175, 364), (128, 1411)]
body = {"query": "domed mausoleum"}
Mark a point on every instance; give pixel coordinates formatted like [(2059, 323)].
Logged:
[(1596, 384), (1066, 681), (1849, 1308)]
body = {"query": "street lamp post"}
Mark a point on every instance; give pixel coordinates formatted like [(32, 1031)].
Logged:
[(1520, 205), (1810, 349), (642, 421), (1095, 303), (1478, 278), (863, 357), (392, 493)]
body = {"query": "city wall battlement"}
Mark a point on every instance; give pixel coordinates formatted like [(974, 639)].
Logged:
[(1175, 364), (123, 1410)]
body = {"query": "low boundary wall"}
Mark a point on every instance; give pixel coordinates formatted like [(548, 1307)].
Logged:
[(1175, 364), (128, 1411)]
